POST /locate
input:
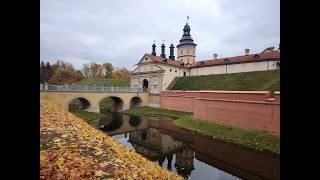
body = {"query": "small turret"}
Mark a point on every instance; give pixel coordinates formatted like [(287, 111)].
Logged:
[(163, 53), (154, 49), (171, 52)]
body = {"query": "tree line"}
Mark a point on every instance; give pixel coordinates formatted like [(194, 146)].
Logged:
[(62, 72)]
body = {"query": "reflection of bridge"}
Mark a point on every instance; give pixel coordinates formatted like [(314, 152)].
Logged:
[(90, 96)]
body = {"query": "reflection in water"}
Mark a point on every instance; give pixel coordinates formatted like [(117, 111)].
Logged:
[(112, 121), (184, 162), (135, 121), (189, 155)]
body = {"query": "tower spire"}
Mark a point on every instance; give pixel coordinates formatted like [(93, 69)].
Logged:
[(187, 19), (154, 48)]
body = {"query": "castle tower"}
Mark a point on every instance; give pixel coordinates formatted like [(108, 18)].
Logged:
[(186, 47), (184, 162)]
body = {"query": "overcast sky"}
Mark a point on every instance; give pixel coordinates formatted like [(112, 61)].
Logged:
[(121, 32)]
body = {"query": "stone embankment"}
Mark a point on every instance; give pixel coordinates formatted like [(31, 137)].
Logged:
[(72, 149)]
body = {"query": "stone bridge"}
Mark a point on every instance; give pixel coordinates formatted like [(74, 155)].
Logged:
[(90, 96)]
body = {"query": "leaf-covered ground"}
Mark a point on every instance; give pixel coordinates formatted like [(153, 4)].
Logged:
[(72, 149)]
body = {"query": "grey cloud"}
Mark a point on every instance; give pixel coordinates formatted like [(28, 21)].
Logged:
[(81, 31)]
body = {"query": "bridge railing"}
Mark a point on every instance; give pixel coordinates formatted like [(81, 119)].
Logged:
[(94, 88)]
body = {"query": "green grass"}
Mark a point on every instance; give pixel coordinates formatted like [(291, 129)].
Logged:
[(87, 116), (247, 138), (257, 140), (145, 110), (105, 82), (247, 81)]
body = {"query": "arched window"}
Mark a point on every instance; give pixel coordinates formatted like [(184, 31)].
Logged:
[(170, 70)]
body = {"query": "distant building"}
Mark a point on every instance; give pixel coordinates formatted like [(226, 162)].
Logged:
[(157, 72)]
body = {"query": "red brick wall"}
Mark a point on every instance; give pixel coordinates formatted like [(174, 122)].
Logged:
[(241, 109), (245, 114), (178, 101)]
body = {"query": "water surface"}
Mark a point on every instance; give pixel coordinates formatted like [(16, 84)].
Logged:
[(184, 153)]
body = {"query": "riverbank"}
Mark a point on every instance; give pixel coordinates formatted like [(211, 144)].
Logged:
[(248, 138), (71, 149)]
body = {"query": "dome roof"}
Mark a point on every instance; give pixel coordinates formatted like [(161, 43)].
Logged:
[(186, 38)]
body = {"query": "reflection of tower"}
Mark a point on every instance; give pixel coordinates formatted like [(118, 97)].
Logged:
[(170, 157), (184, 162)]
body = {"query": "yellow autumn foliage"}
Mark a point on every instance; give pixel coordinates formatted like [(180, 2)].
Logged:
[(72, 149)]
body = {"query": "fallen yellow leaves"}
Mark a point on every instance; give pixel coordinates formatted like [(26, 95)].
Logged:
[(72, 149)]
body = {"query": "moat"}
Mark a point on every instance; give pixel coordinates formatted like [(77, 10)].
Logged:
[(187, 154)]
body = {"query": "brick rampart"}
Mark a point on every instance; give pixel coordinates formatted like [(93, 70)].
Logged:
[(246, 109)]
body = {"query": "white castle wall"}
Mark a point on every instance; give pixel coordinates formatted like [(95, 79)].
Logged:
[(234, 68)]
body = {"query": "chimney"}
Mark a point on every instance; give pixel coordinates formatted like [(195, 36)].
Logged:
[(215, 56), (153, 49), (171, 52), (247, 51), (163, 54)]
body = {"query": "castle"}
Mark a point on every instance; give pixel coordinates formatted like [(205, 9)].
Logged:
[(157, 72)]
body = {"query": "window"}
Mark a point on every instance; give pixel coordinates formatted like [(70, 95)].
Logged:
[(181, 52), (193, 51), (170, 70), (188, 61), (175, 70), (188, 51), (146, 59)]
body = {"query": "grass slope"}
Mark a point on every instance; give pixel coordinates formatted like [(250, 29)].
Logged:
[(105, 82), (248, 138), (248, 81)]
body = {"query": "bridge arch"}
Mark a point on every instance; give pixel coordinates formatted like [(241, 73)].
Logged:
[(135, 101), (84, 103), (117, 103)]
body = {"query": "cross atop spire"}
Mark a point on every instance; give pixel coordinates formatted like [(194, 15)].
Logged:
[(187, 19)]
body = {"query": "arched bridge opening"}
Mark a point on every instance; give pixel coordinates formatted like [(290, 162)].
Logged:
[(111, 104), (135, 101), (79, 104)]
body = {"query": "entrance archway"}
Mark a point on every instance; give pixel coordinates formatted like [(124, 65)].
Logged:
[(145, 84)]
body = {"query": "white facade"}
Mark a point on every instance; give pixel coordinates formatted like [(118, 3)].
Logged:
[(154, 73), (235, 68), (160, 75)]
